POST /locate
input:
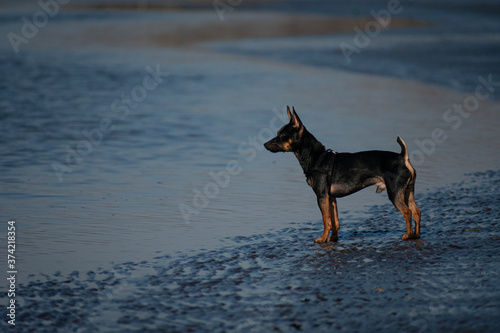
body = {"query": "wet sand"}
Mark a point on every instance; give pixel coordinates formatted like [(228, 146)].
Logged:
[(280, 281)]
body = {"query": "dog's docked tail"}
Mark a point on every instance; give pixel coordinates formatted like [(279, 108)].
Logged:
[(404, 153)]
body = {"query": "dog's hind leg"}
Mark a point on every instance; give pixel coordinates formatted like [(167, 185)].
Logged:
[(405, 210), (405, 198), (400, 200), (414, 210)]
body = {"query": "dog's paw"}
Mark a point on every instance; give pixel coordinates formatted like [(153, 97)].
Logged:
[(333, 238), (410, 236), (320, 240)]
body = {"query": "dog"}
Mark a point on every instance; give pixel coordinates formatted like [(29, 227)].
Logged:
[(334, 175)]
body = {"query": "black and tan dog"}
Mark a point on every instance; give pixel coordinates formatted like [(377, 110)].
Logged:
[(334, 175)]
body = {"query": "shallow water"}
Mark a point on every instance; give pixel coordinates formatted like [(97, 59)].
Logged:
[(122, 199), (281, 281)]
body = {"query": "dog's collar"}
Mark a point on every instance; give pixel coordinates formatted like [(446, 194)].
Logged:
[(328, 169)]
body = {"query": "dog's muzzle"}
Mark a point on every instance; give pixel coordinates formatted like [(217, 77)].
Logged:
[(273, 146)]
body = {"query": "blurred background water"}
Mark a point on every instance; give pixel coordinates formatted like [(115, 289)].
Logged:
[(221, 99)]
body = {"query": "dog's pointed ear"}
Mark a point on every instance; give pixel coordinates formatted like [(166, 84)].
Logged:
[(297, 123), (289, 113)]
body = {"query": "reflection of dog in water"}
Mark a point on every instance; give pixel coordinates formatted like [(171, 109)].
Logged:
[(333, 175)]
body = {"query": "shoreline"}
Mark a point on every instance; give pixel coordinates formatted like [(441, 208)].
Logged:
[(239, 26)]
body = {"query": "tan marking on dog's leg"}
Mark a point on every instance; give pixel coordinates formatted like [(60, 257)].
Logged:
[(334, 218), (324, 206), (414, 211), (400, 204)]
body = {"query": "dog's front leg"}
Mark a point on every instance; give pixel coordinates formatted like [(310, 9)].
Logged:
[(325, 207), (334, 218)]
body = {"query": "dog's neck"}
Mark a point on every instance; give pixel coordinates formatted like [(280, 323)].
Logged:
[(308, 152)]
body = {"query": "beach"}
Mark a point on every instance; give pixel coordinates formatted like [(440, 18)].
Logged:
[(143, 198), (281, 281)]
